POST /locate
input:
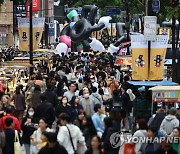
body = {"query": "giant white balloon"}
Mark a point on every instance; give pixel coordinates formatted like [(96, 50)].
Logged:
[(113, 49), (61, 48), (96, 45), (105, 20)]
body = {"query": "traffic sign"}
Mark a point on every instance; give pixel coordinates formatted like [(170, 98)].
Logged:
[(113, 11), (51, 32), (156, 6), (150, 27)]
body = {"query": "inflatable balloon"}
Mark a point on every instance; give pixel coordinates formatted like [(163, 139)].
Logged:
[(105, 20), (89, 12), (96, 45), (65, 39), (72, 14), (80, 48), (83, 29), (115, 48), (66, 30), (72, 24), (61, 48)]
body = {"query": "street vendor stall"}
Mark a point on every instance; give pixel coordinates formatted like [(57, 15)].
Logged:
[(165, 94)]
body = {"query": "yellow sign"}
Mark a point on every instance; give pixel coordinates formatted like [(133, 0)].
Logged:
[(23, 28), (165, 31)]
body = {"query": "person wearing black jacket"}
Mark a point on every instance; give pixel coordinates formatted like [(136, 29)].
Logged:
[(28, 125), (9, 137), (75, 107), (51, 96), (45, 110), (64, 107), (126, 106), (88, 129), (109, 130), (52, 146)]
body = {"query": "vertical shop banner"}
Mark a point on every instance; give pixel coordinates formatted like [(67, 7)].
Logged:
[(139, 57), (23, 29), (157, 57), (113, 29), (109, 29)]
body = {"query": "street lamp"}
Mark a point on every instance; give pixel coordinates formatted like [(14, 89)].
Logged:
[(31, 39)]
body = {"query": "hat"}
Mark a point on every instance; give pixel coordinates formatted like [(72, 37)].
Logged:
[(173, 110), (73, 78), (141, 89)]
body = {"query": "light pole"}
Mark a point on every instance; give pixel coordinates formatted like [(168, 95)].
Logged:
[(127, 24), (31, 39)]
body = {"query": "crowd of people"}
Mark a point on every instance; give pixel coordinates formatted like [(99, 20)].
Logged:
[(74, 103)]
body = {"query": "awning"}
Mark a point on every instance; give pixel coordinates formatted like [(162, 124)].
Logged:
[(152, 83)]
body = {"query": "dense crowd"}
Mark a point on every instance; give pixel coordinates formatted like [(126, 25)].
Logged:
[(74, 103)]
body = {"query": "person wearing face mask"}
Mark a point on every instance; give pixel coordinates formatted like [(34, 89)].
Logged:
[(87, 102), (29, 125), (64, 107)]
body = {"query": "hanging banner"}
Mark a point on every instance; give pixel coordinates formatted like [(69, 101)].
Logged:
[(99, 34), (113, 29), (139, 57), (23, 29), (157, 57), (109, 29)]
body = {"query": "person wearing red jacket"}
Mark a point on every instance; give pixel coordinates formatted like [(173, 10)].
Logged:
[(9, 114)]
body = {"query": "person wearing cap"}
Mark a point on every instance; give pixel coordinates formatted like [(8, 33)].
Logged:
[(169, 123)]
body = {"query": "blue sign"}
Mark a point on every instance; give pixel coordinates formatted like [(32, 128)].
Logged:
[(156, 6), (113, 11), (51, 32)]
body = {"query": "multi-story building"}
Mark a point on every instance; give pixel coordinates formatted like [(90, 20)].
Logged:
[(6, 24)]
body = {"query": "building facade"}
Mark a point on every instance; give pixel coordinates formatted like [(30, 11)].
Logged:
[(6, 24)]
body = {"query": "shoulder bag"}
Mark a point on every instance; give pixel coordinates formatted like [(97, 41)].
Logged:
[(17, 145)]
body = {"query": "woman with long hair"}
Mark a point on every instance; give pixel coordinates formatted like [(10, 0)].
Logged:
[(63, 107), (95, 147), (79, 121), (88, 129), (36, 139), (29, 125), (19, 101), (75, 107)]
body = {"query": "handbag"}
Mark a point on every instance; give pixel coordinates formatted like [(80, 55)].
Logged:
[(17, 145), (81, 147)]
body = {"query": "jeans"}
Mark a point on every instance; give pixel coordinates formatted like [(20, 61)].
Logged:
[(27, 148)]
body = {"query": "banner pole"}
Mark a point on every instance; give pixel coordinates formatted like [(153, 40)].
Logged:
[(31, 40), (149, 58)]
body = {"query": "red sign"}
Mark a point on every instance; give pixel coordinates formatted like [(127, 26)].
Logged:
[(123, 61), (35, 6)]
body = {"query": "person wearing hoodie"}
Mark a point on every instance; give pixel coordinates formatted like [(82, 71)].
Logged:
[(96, 96), (169, 123)]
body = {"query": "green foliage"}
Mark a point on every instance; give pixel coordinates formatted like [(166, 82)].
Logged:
[(1, 1), (169, 8)]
